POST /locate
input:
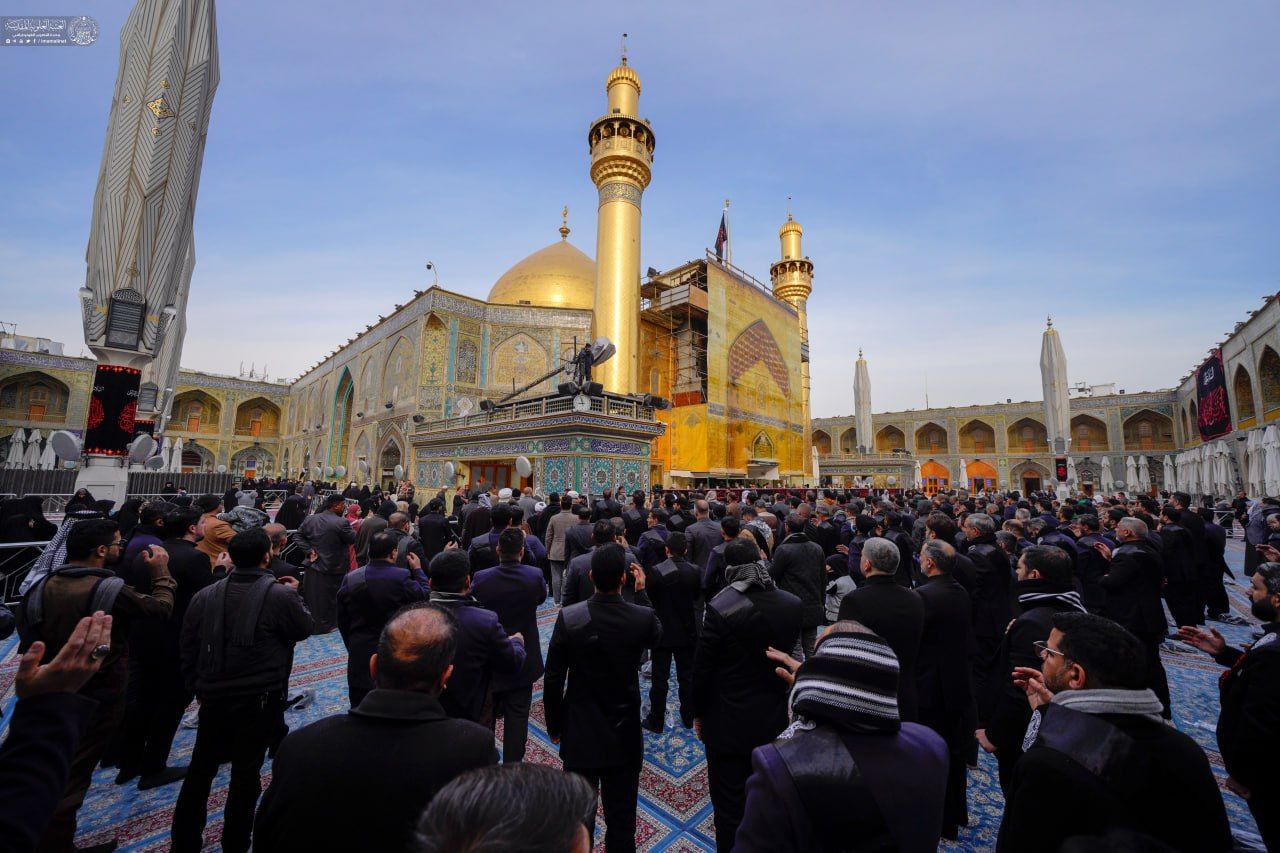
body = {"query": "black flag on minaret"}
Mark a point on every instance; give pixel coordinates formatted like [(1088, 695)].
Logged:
[(722, 237)]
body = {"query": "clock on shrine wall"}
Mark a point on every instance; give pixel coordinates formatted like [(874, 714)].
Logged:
[(581, 403)]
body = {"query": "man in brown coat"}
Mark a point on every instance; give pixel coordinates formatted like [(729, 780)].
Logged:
[(50, 611)]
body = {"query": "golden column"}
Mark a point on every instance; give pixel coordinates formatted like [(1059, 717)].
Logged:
[(621, 147), (793, 282)]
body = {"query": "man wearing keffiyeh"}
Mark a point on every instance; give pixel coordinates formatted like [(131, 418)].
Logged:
[(833, 779)]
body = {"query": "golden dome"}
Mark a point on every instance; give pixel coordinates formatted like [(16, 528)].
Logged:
[(790, 227), (558, 276), (622, 74)]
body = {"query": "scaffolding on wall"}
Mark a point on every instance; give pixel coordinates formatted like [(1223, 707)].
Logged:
[(676, 302)]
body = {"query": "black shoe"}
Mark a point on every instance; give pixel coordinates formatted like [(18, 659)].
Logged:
[(655, 726), (125, 776), (167, 776)]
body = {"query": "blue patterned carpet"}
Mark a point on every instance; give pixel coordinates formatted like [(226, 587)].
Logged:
[(675, 810)]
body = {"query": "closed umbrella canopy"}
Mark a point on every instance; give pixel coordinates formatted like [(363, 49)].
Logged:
[(1255, 464), (1130, 474), (1206, 469), (48, 459), (1223, 475), (1271, 461), (32, 459), (1108, 478), (918, 477), (165, 447), (816, 481), (962, 475), (1170, 476), (1072, 478), (17, 447), (175, 456), (1144, 474)]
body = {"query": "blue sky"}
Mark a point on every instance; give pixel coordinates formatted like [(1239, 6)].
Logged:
[(961, 170)]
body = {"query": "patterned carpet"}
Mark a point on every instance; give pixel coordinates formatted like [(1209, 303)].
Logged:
[(675, 810)]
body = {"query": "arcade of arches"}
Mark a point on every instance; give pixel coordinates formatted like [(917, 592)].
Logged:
[(35, 397)]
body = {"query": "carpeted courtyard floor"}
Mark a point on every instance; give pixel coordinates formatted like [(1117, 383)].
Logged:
[(675, 810)]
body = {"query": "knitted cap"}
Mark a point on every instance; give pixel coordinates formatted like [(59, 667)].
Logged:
[(850, 682)]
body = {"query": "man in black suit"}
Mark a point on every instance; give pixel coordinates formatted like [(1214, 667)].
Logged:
[(893, 612), (1090, 567), (636, 518), (943, 685), (1133, 582), (577, 584), (606, 507), (713, 575), (738, 701), (596, 646), (433, 529), (577, 537), (388, 757), (1215, 567), (674, 586), (820, 530), (703, 536), (514, 591), (990, 591), (484, 649)]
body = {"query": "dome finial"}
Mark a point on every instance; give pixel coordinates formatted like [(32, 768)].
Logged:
[(1049, 320), (788, 208), (624, 48), (564, 223)]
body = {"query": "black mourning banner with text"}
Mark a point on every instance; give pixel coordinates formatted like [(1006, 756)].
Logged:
[(113, 410), (1214, 417)]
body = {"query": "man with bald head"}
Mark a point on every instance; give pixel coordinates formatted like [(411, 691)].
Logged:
[(386, 758)]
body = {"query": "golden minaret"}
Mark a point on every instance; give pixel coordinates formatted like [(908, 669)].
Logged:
[(621, 146), (792, 278)]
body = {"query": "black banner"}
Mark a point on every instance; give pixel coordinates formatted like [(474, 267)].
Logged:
[(113, 410), (1214, 417)]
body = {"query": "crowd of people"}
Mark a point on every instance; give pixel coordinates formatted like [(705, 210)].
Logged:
[(842, 657)]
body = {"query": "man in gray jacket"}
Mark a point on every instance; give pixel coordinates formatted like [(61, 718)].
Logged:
[(327, 535), (555, 542)]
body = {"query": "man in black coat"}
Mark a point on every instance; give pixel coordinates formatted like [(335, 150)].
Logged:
[(1249, 724), (799, 567), (892, 612), (484, 649), (822, 531), (895, 532), (636, 518), (1090, 566), (433, 530), (367, 598), (1133, 582), (713, 575), (990, 592), (1194, 524), (1183, 590), (514, 590), (577, 585), (943, 682), (382, 762), (162, 697), (577, 537), (1044, 589), (596, 646), (703, 535), (237, 648), (1215, 567), (738, 702), (651, 545), (1100, 757), (674, 586), (606, 507)]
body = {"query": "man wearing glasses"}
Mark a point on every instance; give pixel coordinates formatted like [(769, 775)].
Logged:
[(50, 611), (1099, 757)]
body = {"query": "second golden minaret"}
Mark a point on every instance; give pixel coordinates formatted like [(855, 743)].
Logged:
[(793, 282), (621, 147)]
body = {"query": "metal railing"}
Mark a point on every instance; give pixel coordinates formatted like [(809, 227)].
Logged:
[(607, 404)]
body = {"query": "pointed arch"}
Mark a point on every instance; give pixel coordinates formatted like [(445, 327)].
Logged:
[(932, 439), (1088, 434), (1148, 430), (755, 345), (977, 436), (398, 373), (1269, 383), (889, 439), (517, 361), (340, 424), (822, 441), (195, 411), (849, 440), (1242, 390), (366, 391), (258, 417), (1027, 435), (762, 447), (34, 396)]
